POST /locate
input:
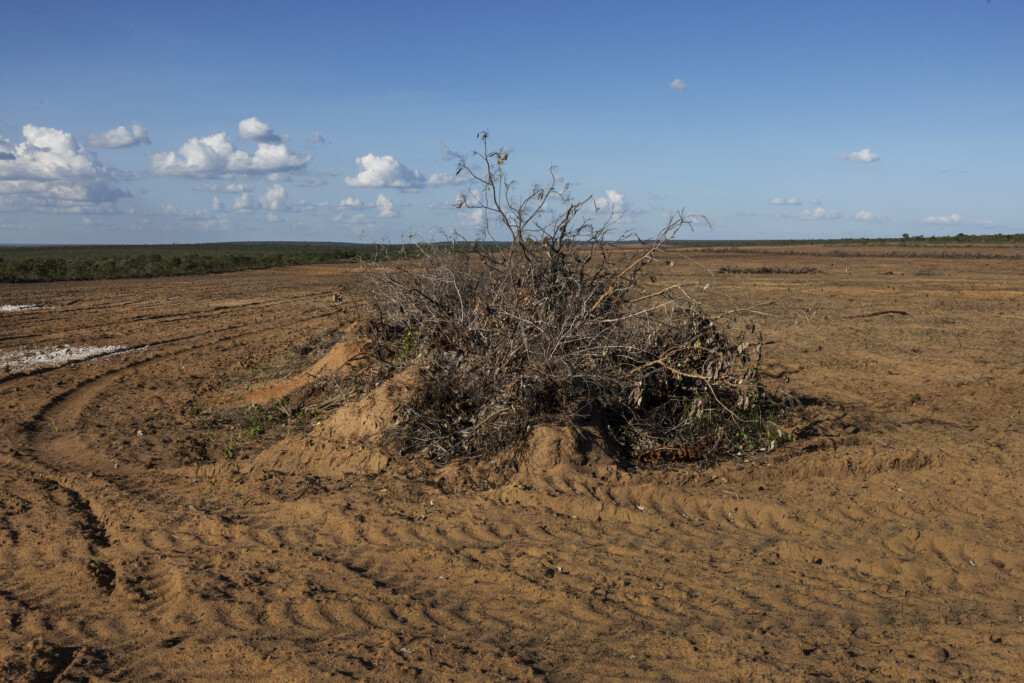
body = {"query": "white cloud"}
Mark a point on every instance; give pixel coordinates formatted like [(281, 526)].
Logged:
[(244, 203), (175, 211), (817, 214), (315, 139), (385, 207), (215, 157), (232, 188), (816, 202), (120, 137), (51, 171), (275, 198), (257, 131), (304, 205), (864, 155), (345, 208), (386, 171), (792, 201), (677, 85), (867, 216), (951, 219), (217, 205), (612, 199), (472, 219)]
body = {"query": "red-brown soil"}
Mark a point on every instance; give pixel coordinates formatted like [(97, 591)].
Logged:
[(883, 542)]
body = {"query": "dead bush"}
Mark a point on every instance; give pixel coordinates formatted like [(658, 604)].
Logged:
[(557, 324)]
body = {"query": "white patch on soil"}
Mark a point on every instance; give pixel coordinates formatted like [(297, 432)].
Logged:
[(10, 308), (17, 361)]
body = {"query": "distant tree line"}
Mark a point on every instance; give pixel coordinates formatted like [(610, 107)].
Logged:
[(155, 264)]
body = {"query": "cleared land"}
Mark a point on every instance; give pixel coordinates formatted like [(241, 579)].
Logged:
[(883, 542)]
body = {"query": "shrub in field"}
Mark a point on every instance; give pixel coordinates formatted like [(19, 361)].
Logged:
[(557, 324)]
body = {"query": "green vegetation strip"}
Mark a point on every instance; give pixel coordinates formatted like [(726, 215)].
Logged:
[(97, 262), (100, 262)]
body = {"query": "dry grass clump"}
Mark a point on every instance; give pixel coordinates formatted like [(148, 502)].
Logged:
[(554, 327), (772, 270)]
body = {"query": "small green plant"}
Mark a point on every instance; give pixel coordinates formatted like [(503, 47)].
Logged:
[(231, 448), (257, 420), (915, 398), (408, 342), (54, 426), (193, 407)]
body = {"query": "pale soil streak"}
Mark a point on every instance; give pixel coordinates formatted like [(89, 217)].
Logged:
[(893, 522)]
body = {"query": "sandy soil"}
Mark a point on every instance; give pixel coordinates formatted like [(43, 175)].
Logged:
[(884, 542)]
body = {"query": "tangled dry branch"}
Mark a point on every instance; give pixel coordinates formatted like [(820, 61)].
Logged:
[(558, 324)]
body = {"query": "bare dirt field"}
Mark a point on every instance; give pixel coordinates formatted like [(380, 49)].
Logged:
[(883, 542)]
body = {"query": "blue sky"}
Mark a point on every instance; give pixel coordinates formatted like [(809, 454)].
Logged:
[(217, 121)]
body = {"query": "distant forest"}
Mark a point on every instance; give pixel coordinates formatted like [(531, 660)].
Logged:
[(98, 262)]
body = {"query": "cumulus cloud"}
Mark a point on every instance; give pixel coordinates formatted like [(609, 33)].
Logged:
[(257, 131), (215, 157), (217, 205), (677, 85), (816, 202), (346, 207), (51, 171), (951, 219), (792, 201), (471, 219), (612, 199), (817, 214), (230, 188), (386, 171), (244, 203), (867, 216), (174, 211), (275, 198), (315, 139), (385, 207), (865, 155), (121, 136)]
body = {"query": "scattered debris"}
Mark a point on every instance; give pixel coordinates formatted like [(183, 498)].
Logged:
[(11, 308), (52, 357), (872, 315)]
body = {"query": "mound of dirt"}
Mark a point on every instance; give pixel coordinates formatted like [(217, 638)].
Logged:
[(343, 355), (342, 443), (345, 442)]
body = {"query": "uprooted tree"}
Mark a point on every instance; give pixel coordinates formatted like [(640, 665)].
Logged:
[(544, 319)]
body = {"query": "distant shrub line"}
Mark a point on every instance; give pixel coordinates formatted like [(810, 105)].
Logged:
[(906, 240), (771, 270), (52, 269), (842, 253)]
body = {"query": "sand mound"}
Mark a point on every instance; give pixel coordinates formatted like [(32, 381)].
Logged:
[(342, 443), (345, 443), (342, 355)]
